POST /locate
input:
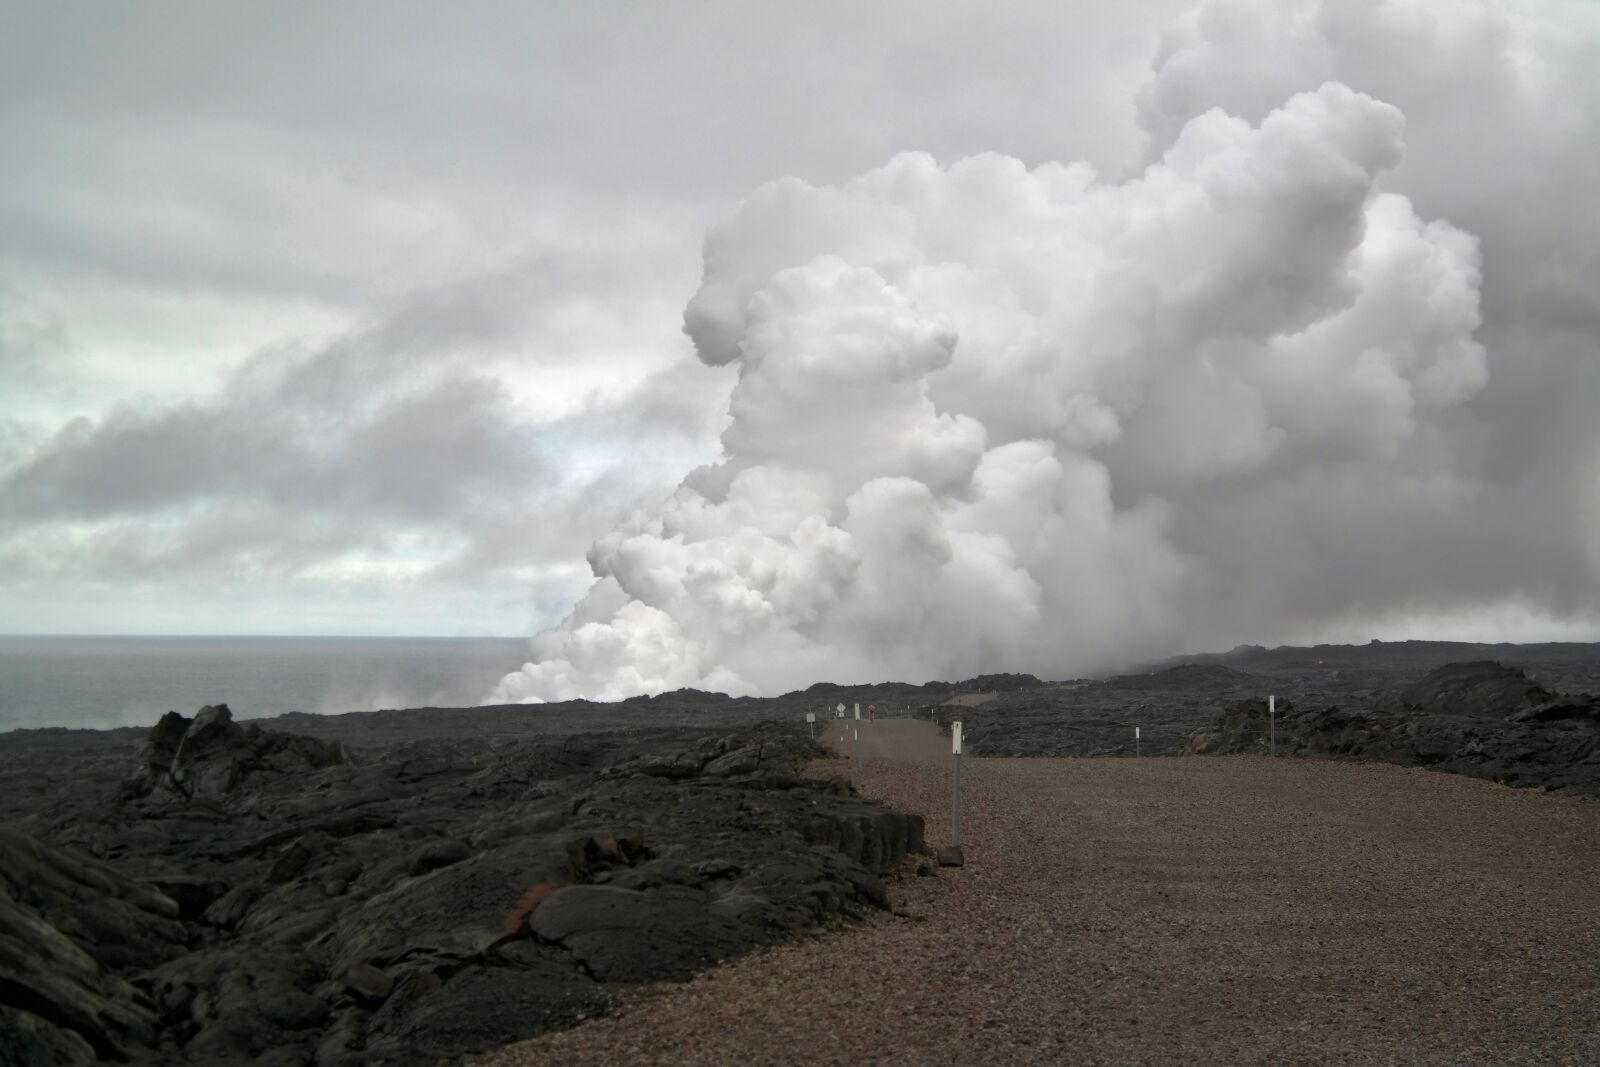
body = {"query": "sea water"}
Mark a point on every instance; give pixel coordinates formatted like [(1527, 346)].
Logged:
[(101, 682)]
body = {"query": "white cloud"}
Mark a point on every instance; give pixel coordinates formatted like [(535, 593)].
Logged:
[(995, 418)]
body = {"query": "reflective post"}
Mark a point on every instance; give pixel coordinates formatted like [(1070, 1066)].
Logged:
[(955, 782), (1272, 726), (858, 740)]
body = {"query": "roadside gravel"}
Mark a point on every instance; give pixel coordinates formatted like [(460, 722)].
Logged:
[(1174, 910)]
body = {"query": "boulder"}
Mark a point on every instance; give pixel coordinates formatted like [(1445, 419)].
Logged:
[(1483, 689), (452, 912), (625, 935), (26, 1040), (1481, 718), (745, 760), (67, 925), (368, 984), (476, 1009), (212, 756)]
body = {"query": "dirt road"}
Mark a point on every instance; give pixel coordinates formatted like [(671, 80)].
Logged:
[(1174, 910), (908, 740)]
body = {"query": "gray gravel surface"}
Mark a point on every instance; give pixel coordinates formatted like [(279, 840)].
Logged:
[(1174, 910)]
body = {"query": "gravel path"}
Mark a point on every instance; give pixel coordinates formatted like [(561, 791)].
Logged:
[(1175, 910)]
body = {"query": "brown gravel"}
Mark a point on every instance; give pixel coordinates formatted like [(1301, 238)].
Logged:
[(1173, 910)]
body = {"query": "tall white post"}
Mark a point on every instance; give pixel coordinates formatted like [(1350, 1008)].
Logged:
[(955, 782), (1272, 725)]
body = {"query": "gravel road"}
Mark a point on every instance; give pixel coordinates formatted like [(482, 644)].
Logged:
[(1171, 910)]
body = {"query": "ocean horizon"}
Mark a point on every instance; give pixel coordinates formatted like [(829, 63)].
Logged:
[(107, 681)]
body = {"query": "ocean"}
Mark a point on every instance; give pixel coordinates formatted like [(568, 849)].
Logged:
[(101, 682)]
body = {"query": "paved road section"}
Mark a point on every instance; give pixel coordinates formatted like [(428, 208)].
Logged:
[(1173, 910)]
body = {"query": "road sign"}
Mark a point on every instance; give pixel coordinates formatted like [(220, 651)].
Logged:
[(955, 737), (811, 716)]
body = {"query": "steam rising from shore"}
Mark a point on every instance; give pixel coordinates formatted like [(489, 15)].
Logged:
[(996, 418)]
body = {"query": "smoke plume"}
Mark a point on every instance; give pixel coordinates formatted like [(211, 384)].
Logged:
[(1327, 360), (994, 418)]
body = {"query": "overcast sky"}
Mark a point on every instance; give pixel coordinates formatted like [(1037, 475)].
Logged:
[(368, 318)]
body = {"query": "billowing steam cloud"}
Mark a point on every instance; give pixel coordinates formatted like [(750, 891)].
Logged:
[(992, 418)]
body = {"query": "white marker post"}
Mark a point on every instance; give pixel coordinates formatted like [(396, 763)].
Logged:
[(1136, 742), (955, 782), (1272, 725), (858, 740), (811, 724)]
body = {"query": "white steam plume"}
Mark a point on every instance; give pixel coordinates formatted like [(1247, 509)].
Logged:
[(991, 418)]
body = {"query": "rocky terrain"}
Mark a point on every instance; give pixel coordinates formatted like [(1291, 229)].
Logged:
[(226, 893), (1482, 719), (412, 886), (1173, 701)]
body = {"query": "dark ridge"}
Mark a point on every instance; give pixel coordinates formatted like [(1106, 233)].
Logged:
[(1001, 683), (1481, 688), (1183, 677)]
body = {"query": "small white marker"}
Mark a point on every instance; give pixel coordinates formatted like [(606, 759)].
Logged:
[(811, 716), (858, 712), (955, 782)]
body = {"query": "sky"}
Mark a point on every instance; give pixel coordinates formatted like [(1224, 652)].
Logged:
[(744, 344)]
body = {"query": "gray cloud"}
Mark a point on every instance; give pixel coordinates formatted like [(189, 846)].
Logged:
[(1503, 140), (399, 444), (379, 303)]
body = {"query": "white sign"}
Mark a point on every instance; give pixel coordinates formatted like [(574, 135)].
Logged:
[(840, 710), (858, 711), (1136, 733), (955, 737), (811, 716), (1272, 705)]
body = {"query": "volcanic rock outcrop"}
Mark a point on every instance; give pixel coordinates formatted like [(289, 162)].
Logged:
[(1482, 719), (266, 898), (70, 928), (211, 755)]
